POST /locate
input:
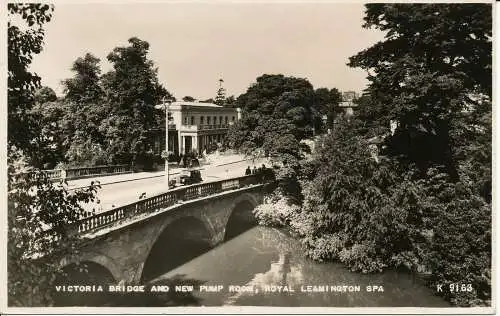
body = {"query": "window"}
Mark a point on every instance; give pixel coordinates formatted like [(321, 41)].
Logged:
[(192, 120), (225, 120), (233, 118), (220, 120), (202, 120), (185, 120), (208, 120), (215, 120)]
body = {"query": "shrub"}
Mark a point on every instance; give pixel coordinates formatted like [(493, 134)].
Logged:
[(276, 211), (460, 250), (371, 216)]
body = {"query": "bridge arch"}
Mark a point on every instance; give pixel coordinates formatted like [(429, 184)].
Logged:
[(94, 259), (177, 241), (77, 277), (241, 216)]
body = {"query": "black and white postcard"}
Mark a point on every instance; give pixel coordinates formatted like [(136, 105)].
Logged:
[(248, 157)]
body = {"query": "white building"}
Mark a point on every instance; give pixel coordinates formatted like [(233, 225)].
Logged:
[(197, 126)]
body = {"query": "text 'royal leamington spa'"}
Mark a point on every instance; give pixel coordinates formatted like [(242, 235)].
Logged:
[(220, 288)]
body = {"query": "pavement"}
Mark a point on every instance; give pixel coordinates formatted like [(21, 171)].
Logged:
[(213, 160), (119, 190)]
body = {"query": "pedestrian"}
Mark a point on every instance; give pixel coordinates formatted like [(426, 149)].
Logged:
[(248, 171), (254, 171)]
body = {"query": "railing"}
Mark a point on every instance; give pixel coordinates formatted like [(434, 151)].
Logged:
[(214, 126), (73, 173), (204, 127), (151, 205), (54, 174)]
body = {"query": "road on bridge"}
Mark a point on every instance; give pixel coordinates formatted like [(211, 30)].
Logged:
[(117, 194)]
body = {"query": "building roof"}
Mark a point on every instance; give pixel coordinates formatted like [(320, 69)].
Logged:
[(211, 105)]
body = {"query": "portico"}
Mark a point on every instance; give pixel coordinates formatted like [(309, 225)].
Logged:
[(198, 126)]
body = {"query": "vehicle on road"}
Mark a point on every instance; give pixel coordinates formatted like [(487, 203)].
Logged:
[(186, 177)]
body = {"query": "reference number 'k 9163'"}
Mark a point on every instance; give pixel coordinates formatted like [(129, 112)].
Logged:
[(455, 287)]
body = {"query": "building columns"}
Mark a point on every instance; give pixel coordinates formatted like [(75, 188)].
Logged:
[(195, 143)]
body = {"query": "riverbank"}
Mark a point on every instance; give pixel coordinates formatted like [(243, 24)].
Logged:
[(277, 212)]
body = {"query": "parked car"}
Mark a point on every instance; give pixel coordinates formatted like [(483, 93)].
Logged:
[(189, 176)]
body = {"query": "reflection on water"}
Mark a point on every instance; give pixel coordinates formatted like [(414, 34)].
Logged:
[(269, 265), (159, 299)]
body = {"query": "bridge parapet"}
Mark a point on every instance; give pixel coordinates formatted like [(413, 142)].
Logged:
[(84, 172), (102, 220)]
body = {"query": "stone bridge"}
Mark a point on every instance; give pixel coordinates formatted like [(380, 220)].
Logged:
[(138, 242)]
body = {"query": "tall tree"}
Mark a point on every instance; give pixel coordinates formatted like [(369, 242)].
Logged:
[(275, 107), (434, 59), (45, 117), (84, 87), (277, 97), (230, 102), (34, 202), (220, 98), (25, 39), (132, 89), (85, 103), (325, 103)]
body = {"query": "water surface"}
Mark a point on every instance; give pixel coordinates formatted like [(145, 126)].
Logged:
[(264, 258)]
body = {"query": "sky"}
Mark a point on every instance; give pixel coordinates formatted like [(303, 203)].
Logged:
[(194, 44)]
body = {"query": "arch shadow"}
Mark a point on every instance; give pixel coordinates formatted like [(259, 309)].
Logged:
[(77, 285), (180, 241), (241, 219)]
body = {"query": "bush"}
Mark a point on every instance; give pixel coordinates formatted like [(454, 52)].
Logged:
[(460, 251), (373, 215), (276, 211)]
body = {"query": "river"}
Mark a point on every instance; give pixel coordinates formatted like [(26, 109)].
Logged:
[(264, 261)]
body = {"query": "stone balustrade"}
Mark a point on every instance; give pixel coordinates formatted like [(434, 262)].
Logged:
[(99, 221), (82, 172), (86, 172)]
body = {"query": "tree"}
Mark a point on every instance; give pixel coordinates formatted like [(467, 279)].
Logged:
[(427, 201), (277, 96), (84, 97), (325, 103), (230, 102), (84, 87), (220, 98), (433, 59), (25, 39), (48, 118), (372, 215), (45, 117), (274, 107), (45, 94), (39, 211), (132, 89)]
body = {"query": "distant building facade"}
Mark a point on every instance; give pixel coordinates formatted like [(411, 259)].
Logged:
[(349, 95), (195, 127), (347, 104)]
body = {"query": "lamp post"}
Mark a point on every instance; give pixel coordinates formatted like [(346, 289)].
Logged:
[(165, 106)]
